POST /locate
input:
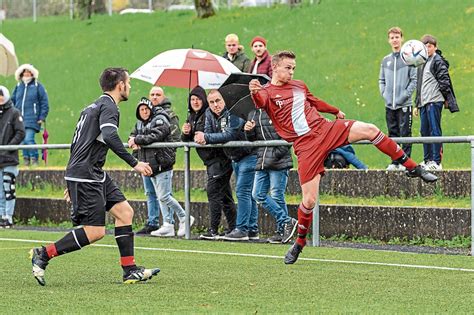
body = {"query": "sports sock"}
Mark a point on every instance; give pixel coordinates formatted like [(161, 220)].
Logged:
[(393, 150), (72, 241), (304, 222), (124, 239)]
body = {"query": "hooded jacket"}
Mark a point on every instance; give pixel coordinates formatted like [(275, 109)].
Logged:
[(240, 60), (30, 99), (439, 68), (173, 119), (268, 158), (12, 132), (155, 129)]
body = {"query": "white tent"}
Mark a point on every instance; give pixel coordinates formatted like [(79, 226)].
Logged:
[(8, 60)]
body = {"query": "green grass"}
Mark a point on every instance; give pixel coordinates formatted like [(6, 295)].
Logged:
[(89, 281), (199, 195), (339, 45)]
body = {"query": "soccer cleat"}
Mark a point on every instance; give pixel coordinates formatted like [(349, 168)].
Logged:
[(139, 274), (293, 253), (426, 176), (39, 264), (289, 230)]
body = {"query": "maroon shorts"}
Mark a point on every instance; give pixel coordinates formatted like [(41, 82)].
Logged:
[(313, 148)]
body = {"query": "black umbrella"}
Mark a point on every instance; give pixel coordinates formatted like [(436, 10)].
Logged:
[(236, 93)]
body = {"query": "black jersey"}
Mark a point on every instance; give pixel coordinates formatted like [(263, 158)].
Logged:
[(88, 148)]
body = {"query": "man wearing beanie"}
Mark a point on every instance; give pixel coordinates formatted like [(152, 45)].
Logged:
[(12, 132), (262, 63)]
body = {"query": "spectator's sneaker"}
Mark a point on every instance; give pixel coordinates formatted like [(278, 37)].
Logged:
[(236, 235), (289, 230), (26, 161), (421, 173), (293, 253), (34, 162), (139, 274), (209, 235), (392, 167), (39, 262), (423, 164), (182, 226), (276, 239), (147, 229), (167, 229), (253, 235), (7, 224), (433, 166), (2, 223)]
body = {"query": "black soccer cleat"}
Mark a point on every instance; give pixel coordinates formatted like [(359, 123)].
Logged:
[(293, 253), (39, 263), (426, 176), (289, 230), (139, 274)]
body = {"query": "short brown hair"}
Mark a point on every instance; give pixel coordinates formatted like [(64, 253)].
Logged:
[(276, 58), (429, 39), (110, 77), (395, 30)]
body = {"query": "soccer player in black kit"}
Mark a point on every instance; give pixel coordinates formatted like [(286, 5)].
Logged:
[(90, 189)]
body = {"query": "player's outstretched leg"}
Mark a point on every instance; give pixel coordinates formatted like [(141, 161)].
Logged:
[(305, 217), (392, 149)]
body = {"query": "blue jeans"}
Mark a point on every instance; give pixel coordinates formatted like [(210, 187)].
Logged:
[(430, 116), (168, 205), (152, 202), (247, 211), (30, 139), (7, 207), (269, 191)]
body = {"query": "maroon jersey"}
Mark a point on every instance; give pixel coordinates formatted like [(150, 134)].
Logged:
[(292, 108)]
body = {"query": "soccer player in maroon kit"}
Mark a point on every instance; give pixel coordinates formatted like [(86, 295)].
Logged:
[(295, 115)]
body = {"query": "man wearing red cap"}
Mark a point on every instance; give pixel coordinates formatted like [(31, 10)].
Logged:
[(262, 63)]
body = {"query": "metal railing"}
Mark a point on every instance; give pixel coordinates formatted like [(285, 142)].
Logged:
[(316, 232)]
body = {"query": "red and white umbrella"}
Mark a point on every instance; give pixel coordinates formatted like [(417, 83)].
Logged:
[(8, 59), (186, 68)]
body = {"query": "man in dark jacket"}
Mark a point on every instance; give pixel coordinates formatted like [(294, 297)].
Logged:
[(218, 167), (271, 176), (235, 53), (151, 128), (220, 127), (31, 99), (433, 90), (12, 132)]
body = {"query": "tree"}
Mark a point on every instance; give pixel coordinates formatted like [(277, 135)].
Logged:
[(204, 8), (84, 8)]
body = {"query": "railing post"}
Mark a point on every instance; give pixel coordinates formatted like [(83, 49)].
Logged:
[(187, 190), (472, 198), (316, 239)]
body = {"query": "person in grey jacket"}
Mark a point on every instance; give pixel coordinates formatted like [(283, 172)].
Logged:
[(433, 92), (397, 81), (12, 131)]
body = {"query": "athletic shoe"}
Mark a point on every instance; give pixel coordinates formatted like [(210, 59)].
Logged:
[(147, 229), (392, 167), (423, 164), (289, 230), (139, 274), (433, 166), (39, 262), (423, 174), (293, 253), (7, 224), (276, 239), (236, 235), (167, 229), (182, 226), (2, 223), (209, 235), (253, 235)]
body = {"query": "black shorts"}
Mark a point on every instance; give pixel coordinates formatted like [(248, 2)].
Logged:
[(90, 201)]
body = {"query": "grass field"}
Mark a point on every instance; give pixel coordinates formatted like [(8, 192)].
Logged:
[(222, 278), (339, 45)]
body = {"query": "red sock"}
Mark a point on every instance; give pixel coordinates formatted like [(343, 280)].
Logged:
[(304, 222), (51, 251), (393, 150)]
